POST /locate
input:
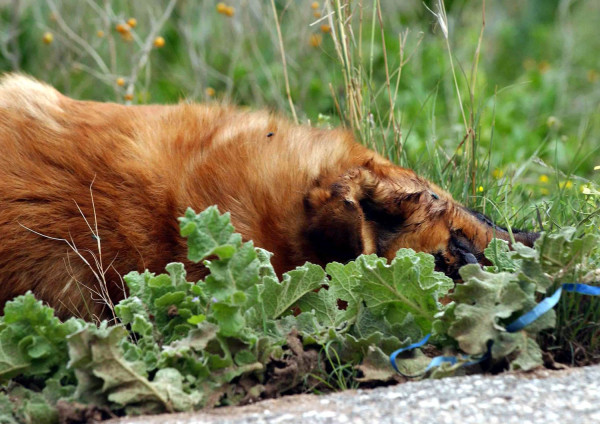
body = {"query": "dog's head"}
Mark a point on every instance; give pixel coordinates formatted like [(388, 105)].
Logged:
[(382, 208)]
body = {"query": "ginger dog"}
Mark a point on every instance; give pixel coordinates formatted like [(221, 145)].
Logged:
[(74, 170)]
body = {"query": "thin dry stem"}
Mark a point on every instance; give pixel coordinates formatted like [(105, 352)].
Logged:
[(341, 46), (285, 73), (77, 39), (392, 115), (97, 267)]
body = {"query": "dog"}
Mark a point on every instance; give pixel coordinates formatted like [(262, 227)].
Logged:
[(90, 191)]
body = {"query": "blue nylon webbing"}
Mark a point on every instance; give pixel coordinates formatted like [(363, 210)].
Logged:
[(517, 325)]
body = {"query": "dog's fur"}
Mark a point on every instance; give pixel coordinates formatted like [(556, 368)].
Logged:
[(305, 194)]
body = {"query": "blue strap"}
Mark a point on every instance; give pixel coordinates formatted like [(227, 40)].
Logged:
[(404, 349), (518, 324), (582, 289), (539, 310), (438, 360), (549, 303)]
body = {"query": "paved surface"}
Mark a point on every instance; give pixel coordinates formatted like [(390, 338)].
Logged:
[(569, 396)]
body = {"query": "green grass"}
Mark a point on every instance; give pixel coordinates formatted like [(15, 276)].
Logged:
[(504, 116)]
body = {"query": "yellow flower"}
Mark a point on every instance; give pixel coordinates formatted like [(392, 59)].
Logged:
[(122, 28), (221, 8), (315, 40), (314, 5), (210, 92), (120, 82), (543, 179), (317, 14), (132, 22), (128, 96), (100, 33), (325, 28), (48, 38), (159, 42), (497, 173), (480, 189), (566, 184)]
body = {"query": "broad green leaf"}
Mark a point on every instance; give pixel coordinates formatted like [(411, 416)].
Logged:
[(13, 361), (196, 319), (345, 285), (229, 318), (280, 297), (398, 332), (408, 285), (324, 305), (557, 251), (170, 382), (352, 347), (309, 326), (97, 353), (412, 363), (254, 313), (197, 339), (555, 257), (500, 255), (245, 357), (482, 301), (375, 366), (172, 298), (209, 233), (237, 272), (138, 285), (528, 354)]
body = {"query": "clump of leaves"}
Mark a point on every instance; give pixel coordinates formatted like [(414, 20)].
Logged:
[(33, 347), (490, 300), (242, 334)]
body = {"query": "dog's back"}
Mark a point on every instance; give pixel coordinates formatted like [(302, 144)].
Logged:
[(72, 172)]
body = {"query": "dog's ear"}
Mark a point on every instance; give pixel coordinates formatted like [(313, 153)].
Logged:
[(366, 210), (337, 229)]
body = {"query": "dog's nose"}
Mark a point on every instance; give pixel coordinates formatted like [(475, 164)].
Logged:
[(470, 258)]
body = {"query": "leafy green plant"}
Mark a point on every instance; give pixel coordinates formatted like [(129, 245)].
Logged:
[(242, 334)]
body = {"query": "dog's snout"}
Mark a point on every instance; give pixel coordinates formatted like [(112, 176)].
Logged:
[(470, 258)]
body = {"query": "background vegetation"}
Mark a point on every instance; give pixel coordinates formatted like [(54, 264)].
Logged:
[(521, 129), (497, 102)]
